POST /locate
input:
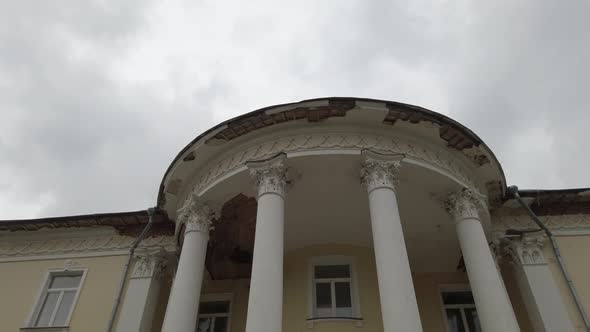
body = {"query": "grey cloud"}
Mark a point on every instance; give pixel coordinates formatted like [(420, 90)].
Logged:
[(74, 131)]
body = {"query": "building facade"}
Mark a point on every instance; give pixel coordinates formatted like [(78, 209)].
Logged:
[(333, 214)]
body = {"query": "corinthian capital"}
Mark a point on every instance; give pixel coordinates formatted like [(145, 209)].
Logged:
[(270, 175), (464, 204), (380, 170), (196, 215), (528, 250)]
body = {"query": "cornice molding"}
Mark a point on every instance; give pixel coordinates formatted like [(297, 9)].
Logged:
[(237, 158)]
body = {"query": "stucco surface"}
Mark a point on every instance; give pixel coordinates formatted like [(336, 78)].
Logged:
[(21, 281)]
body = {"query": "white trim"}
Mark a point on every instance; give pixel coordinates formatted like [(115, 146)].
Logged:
[(33, 315), (572, 232), (320, 152), (212, 297), (223, 178), (354, 289), (45, 329)]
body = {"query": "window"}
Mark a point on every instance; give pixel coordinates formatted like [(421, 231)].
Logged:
[(214, 316), (460, 311), (332, 289), (57, 300)]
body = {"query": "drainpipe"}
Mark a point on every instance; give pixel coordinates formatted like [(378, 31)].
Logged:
[(150, 212), (514, 191)]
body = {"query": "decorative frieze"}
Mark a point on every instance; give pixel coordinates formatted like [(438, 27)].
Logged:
[(379, 170), (464, 204), (196, 215), (270, 175), (80, 245), (502, 221), (330, 141)]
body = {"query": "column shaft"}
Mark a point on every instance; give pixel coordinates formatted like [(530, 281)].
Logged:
[(265, 302), (399, 308), (183, 303), (491, 299)]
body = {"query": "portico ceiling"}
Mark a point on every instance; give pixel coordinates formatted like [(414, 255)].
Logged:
[(327, 204)]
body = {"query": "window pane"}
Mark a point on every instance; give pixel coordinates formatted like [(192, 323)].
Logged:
[(472, 320), (47, 309), (464, 297), (343, 299), (214, 307), (323, 294), (332, 271), (220, 324), (65, 281), (64, 308), (454, 320), (204, 324)]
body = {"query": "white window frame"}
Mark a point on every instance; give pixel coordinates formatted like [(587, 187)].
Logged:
[(41, 294), (450, 289), (214, 297), (354, 294)]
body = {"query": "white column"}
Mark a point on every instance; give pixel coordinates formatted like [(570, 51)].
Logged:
[(265, 302), (491, 299), (541, 294), (399, 308), (183, 303), (141, 296)]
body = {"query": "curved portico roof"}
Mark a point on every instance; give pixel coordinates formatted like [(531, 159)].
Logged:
[(456, 135)]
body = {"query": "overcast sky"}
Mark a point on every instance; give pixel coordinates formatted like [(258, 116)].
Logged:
[(97, 97)]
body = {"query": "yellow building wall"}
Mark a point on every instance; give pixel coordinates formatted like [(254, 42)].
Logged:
[(575, 251), (296, 289), (20, 283), (296, 292)]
